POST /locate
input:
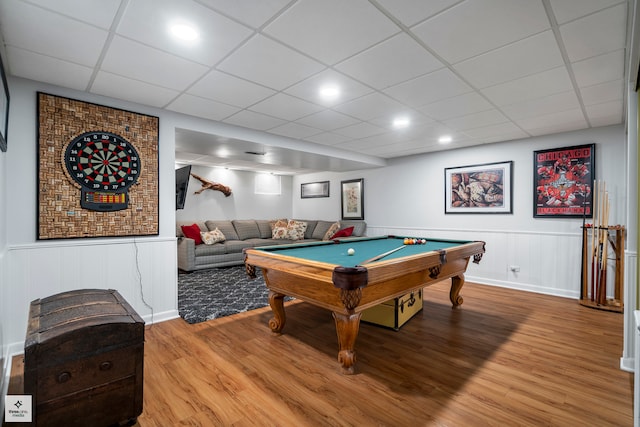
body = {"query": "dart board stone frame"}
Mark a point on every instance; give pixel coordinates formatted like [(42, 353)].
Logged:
[(97, 170)]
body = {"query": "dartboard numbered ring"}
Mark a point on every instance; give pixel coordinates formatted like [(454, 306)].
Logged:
[(105, 165)]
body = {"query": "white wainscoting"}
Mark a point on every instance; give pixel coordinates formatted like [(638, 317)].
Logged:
[(548, 263)]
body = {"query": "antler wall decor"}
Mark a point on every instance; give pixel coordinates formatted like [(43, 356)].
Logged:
[(209, 185)]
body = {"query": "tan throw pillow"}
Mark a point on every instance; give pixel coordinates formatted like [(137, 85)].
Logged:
[(211, 237), (296, 229), (331, 231)]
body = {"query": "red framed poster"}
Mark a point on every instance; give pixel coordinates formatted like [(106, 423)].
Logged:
[(562, 181)]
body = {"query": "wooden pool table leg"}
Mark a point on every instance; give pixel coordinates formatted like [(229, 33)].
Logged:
[(276, 301), (347, 326), (454, 293)]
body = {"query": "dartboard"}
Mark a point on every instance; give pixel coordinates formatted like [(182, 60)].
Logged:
[(105, 165)]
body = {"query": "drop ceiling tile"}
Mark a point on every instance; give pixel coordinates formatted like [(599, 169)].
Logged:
[(269, 63), (285, 107), (574, 119), (95, 12), (201, 107), (607, 113), (599, 69), (331, 30), (119, 87), (229, 89), (429, 88), (371, 106), (541, 106), (391, 62), (562, 127), (531, 87), (484, 118), (414, 118), (251, 120), (567, 10), (360, 130), (595, 34), (603, 92), (46, 69), (410, 12), (309, 89), (456, 106), (497, 130), (327, 120), (455, 33), (149, 21), (251, 12), (63, 38), (327, 138), (525, 57), (295, 130), (136, 61)]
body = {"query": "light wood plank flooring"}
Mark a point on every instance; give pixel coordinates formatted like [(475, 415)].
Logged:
[(504, 358)]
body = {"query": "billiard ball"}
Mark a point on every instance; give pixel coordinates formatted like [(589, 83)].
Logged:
[(351, 251)]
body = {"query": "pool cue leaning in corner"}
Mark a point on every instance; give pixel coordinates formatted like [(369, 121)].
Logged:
[(594, 203), (583, 286), (604, 253)]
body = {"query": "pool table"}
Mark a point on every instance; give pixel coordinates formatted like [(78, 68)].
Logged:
[(380, 268)]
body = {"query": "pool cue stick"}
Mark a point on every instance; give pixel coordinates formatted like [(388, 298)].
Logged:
[(377, 257), (605, 252), (583, 282), (594, 203), (603, 196)]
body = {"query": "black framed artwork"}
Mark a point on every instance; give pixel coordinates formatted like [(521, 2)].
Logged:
[(353, 199), (311, 190), (479, 189), (4, 108), (562, 180)]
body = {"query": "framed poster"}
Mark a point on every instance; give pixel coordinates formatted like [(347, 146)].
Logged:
[(562, 180), (314, 189), (97, 170), (478, 189), (353, 199)]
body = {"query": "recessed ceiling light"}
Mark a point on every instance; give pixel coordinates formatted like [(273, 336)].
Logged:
[(184, 32), (401, 122), (445, 139), (329, 92)]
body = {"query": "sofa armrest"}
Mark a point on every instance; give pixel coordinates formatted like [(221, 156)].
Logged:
[(186, 254)]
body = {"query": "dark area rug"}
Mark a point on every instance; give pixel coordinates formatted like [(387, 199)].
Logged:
[(218, 292)]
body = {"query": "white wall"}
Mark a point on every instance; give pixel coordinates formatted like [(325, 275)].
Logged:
[(407, 198), (243, 203)]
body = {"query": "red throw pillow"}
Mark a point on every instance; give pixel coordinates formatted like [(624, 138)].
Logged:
[(345, 232), (192, 232)]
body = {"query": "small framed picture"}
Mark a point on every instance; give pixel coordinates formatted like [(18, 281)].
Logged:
[(479, 189), (311, 190), (353, 199), (562, 181)]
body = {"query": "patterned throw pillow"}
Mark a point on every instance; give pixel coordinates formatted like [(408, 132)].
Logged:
[(331, 231), (280, 223), (280, 233), (296, 229), (211, 237)]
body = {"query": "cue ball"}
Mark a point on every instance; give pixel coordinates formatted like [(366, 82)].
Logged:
[(351, 251)]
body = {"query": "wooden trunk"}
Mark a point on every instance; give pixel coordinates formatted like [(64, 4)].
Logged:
[(83, 359), (395, 312)]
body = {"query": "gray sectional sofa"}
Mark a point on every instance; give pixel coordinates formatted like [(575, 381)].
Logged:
[(241, 234)]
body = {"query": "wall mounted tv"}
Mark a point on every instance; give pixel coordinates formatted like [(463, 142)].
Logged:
[(182, 183)]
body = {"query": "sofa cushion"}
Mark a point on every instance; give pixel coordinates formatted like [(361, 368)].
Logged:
[(265, 228), (321, 229), (246, 228), (211, 237), (192, 232), (236, 245), (358, 227), (225, 226), (208, 250)]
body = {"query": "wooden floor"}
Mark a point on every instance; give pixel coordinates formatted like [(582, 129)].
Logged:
[(504, 358)]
